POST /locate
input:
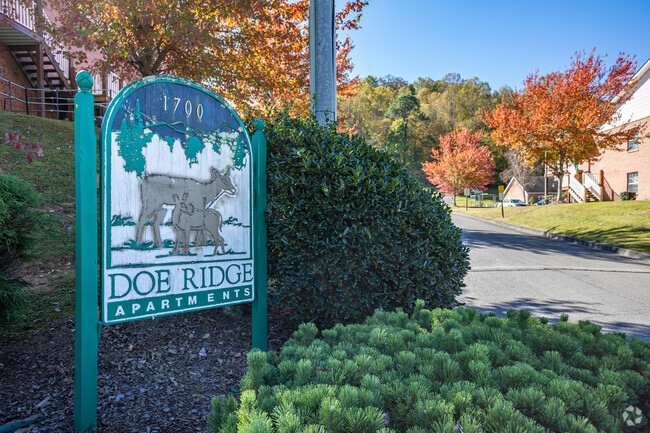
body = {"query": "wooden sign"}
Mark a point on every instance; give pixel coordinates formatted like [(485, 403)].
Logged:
[(183, 214), (177, 202)]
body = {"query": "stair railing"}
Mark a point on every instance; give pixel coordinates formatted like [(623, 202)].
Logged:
[(580, 187), (576, 188), (112, 83), (57, 102), (23, 15), (591, 183), (18, 12)]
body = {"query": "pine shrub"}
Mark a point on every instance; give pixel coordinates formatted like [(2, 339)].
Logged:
[(349, 231), (18, 223), (443, 371)]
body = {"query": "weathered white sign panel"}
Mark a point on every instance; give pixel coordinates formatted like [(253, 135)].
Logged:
[(177, 202)]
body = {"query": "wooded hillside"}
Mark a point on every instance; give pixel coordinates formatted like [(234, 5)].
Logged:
[(408, 119)]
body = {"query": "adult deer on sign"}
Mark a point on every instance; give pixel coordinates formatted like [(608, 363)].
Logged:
[(158, 190)]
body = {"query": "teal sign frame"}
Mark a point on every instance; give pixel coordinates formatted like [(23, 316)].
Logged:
[(183, 214), (176, 166)]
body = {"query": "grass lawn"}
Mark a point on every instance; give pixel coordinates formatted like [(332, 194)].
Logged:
[(51, 274), (52, 175), (461, 201), (622, 223)]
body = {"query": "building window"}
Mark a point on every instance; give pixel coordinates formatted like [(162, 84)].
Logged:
[(633, 144), (633, 182)]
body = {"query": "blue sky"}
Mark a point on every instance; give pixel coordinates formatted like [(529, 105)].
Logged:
[(498, 41)]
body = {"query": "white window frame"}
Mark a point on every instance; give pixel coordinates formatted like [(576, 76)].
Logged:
[(633, 144), (633, 186)]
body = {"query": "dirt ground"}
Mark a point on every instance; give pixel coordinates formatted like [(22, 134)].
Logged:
[(153, 375)]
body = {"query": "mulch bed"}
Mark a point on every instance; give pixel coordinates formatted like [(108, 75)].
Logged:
[(154, 375)]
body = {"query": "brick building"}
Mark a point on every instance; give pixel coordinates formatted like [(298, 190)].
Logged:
[(628, 167), (36, 75)]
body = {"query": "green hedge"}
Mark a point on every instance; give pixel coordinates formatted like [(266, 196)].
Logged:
[(18, 222), (350, 231), (443, 371), (628, 195)]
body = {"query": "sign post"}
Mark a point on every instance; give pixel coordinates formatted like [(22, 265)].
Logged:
[(259, 319), (183, 214), (501, 198), (322, 59), (86, 340)]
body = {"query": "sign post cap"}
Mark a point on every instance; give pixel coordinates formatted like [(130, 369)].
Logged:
[(84, 80), (258, 125)]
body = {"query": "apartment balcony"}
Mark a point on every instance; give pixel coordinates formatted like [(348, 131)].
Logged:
[(17, 24), (40, 57), (50, 73)]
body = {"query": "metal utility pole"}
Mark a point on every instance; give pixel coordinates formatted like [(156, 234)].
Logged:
[(322, 59)]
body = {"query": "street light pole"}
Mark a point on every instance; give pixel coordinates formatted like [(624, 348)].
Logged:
[(322, 60)]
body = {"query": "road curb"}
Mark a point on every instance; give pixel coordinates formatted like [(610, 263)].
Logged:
[(595, 245)]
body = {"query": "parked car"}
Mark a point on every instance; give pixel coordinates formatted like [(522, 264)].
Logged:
[(513, 202)]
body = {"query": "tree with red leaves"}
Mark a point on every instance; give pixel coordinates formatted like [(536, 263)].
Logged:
[(558, 119), (252, 52), (461, 162)]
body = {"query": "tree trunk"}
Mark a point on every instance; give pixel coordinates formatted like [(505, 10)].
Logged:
[(406, 126), (559, 185), (559, 172)]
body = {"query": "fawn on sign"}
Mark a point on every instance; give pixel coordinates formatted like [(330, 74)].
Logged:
[(177, 202)]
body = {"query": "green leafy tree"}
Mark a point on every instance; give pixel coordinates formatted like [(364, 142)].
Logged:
[(444, 104), (364, 113), (404, 108)]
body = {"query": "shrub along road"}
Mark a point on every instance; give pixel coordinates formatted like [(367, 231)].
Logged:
[(512, 270)]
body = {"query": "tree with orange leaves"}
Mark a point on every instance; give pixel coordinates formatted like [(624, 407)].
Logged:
[(558, 119), (461, 162), (253, 52)]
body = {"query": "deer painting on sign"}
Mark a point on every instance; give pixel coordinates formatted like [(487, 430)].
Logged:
[(158, 190), (186, 218)]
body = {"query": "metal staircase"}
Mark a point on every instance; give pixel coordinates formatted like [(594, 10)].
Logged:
[(41, 59), (54, 74), (54, 93)]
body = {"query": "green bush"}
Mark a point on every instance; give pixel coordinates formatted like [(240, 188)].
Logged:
[(18, 222), (443, 371), (350, 231), (628, 195)]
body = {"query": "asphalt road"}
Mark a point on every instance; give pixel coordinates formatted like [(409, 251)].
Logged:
[(513, 270)]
